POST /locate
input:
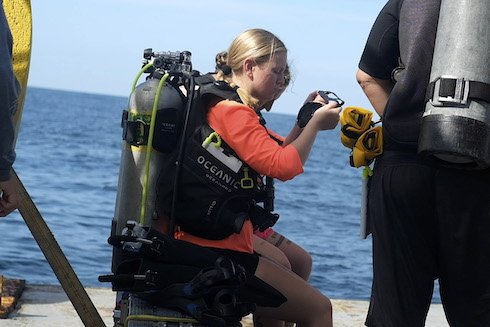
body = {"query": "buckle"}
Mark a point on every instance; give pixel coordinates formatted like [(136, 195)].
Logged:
[(157, 245), (449, 89), (331, 96), (149, 277)]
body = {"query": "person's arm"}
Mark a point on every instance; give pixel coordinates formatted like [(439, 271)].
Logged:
[(377, 90), (240, 128), (293, 134), (380, 57), (9, 89), (7, 100), (296, 130), (326, 117)]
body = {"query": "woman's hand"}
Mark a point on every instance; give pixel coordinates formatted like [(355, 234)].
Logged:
[(326, 117), (314, 97)]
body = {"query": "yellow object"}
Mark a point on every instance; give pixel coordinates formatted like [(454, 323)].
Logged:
[(354, 122), (210, 139), (246, 182), (149, 150), (19, 16), (368, 146)]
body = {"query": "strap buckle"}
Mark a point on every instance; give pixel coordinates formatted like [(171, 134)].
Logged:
[(449, 89), (134, 132), (246, 182)]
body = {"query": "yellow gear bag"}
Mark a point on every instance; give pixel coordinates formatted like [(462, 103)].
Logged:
[(368, 146), (354, 122)]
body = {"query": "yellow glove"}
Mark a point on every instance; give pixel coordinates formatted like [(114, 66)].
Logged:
[(354, 122), (368, 146)]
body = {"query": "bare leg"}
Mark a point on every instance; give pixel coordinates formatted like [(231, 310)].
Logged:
[(260, 321), (268, 250), (300, 260), (271, 252), (291, 256), (306, 306)]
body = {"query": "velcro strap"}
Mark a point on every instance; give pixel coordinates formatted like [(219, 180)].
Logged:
[(306, 112)]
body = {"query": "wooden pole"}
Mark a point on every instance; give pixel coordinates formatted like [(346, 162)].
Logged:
[(57, 260), (19, 16)]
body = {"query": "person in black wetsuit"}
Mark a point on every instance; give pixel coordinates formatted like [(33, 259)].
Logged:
[(9, 92), (428, 222)]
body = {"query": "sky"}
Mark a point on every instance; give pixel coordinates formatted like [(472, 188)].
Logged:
[(96, 46)]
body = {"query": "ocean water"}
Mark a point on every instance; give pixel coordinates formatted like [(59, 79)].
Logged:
[(68, 155)]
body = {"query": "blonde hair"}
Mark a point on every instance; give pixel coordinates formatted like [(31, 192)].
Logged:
[(258, 44)]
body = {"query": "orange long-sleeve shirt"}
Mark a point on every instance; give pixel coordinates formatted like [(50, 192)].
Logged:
[(239, 126)]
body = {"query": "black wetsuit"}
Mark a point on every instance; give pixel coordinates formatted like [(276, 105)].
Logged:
[(428, 222), (9, 91)]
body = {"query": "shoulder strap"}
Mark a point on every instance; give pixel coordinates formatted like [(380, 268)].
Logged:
[(263, 122), (219, 89), (205, 79)]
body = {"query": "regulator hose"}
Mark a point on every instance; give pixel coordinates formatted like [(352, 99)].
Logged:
[(149, 147)]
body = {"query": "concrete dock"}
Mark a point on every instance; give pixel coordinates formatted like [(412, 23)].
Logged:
[(48, 306)]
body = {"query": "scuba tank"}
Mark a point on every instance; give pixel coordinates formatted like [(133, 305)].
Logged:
[(140, 163), (455, 126)]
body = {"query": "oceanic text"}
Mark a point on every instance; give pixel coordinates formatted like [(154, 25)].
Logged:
[(218, 173)]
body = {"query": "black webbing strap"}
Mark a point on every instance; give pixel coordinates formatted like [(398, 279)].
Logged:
[(457, 90), (134, 132)]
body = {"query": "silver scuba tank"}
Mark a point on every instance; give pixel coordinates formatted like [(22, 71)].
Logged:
[(456, 123), (138, 179), (133, 158)]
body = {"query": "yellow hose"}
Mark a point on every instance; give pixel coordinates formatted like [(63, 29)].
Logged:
[(149, 147), (157, 318), (139, 74)]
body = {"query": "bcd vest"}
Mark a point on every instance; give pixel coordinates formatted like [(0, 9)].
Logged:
[(211, 194)]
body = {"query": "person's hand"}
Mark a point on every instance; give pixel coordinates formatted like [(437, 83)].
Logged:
[(327, 116), (314, 97), (9, 197)]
